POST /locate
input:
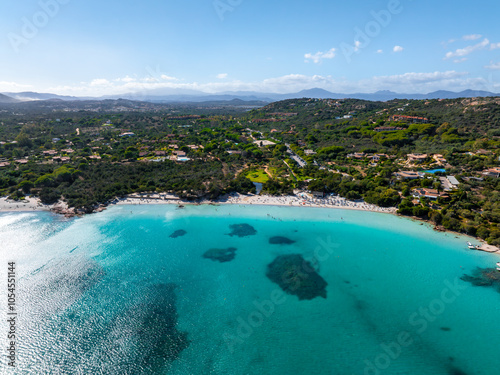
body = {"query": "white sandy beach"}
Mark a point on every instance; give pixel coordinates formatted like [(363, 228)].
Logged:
[(301, 200), (28, 204), (305, 200)]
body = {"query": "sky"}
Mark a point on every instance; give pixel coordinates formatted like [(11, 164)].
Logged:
[(109, 47)]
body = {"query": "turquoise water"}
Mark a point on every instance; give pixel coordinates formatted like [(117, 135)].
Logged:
[(435, 170), (113, 293)]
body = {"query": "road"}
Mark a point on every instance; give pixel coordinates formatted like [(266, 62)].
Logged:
[(301, 162)]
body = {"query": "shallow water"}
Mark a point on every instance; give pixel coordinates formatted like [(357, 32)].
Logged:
[(114, 293)]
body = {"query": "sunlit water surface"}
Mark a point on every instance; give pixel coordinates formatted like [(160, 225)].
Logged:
[(114, 293)]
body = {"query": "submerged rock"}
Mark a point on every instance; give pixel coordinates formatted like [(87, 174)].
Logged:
[(296, 276), (484, 277), (242, 230), (61, 282), (221, 255), (158, 327), (178, 233), (279, 240), (457, 371), (152, 326), (132, 333)]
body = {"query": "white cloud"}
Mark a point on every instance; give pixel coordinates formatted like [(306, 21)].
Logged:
[(293, 82), (419, 78), (493, 66), (494, 46), (222, 75), (125, 79), (380, 51), (154, 78), (13, 86), (429, 82), (468, 50), (398, 49), (319, 56), (168, 78), (357, 45), (100, 82), (412, 82), (457, 61), (472, 37)]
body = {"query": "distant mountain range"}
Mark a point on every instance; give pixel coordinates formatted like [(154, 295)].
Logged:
[(30, 96), (183, 96), (7, 99)]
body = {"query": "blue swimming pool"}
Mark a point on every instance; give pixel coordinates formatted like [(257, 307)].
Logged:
[(435, 170)]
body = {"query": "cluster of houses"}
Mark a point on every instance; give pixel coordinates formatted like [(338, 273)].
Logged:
[(431, 194), (147, 152), (449, 182), (47, 156), (173, 147)]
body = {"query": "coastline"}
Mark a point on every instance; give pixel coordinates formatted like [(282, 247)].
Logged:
[(29, 204), (33, 204), (292, 201), (266, 200)]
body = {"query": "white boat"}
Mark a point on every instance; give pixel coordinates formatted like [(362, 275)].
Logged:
[(470, 246)]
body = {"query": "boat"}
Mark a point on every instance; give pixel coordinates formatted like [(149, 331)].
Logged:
[(471, 246)]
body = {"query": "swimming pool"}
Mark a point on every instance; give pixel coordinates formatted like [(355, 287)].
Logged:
[(435, 170)]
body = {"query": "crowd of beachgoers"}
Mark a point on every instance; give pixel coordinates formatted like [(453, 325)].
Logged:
[(27, 204), (304, 199), (299, 200)]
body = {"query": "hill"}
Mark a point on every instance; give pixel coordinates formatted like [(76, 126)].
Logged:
[(409, 125), (7, 99), (193, 96)]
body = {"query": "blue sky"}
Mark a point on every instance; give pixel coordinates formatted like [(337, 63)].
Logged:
[(93, 47)]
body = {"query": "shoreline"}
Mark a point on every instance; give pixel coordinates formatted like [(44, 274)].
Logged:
[(29, 204), (263, 200), (33, 204)]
